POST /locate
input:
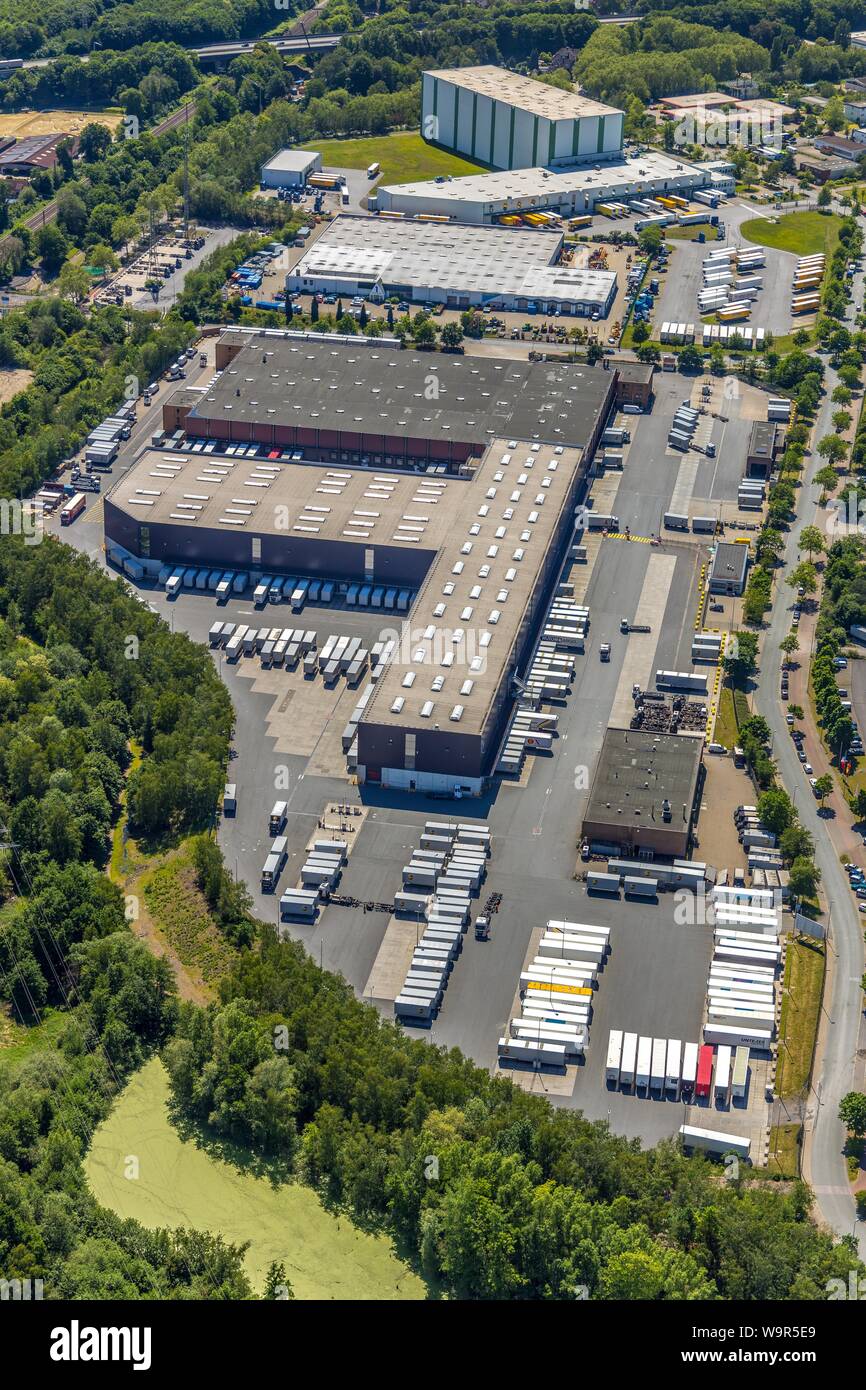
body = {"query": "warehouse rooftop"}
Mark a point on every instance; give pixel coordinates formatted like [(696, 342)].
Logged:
[(649, 167), (637, 771), (385, 391), (473, 260), (524, 93), (478, 594)]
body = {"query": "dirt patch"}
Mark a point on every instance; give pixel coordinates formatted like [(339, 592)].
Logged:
[(11, 382), (55, 122)]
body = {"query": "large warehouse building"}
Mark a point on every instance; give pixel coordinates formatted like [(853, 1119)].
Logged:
[(572, 192), (499, 118), (491, 267), (361, 472), (644, 796)]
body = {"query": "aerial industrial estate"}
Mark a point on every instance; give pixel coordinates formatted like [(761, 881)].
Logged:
[(485, 730)]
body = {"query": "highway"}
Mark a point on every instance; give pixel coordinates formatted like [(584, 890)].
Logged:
[(837, 1061)]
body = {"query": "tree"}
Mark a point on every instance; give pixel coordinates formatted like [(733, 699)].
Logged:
[(363, 318), (804, 877), (314, 310), (841, 395), (824, 196), (73, 282), (832, 448), (741, 655), (811, 540), (94, 141), (776, 810), (452, 334), (827, 478), (804, 576), (823, 786), (277, 1286), (690, 359), (790, 644), (649, 240), (852, 1113), (51, 247), (424, 333), (640, 332)]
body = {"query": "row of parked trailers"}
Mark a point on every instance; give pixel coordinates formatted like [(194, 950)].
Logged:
[(720, 334), (294, 591), (677, 1070), (556, 990), (682, 428), (530, 730), (708, 647), (750, 494), (743, 979), (806, 284), (449, 865)]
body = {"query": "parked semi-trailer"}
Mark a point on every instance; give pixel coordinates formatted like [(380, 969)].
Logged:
[(739, 1035), (690, 1070), (614, 1056), (629, 1059), (657, 1066), (714, 1141), (644, 1061), (672, 1069), (705, 1072)]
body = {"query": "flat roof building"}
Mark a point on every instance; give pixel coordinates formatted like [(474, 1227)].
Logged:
[(290, 168), (334, 459), (765, 441), (506, 121), (645, 791), (485, 197), (459, 266), (728, 570)]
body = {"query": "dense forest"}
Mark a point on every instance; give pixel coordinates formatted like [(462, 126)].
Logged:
[(83, 366), (52, 26)]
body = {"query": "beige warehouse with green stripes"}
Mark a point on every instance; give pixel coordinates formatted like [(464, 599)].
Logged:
[(506, 121)]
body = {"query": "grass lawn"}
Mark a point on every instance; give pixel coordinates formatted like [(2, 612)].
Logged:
[(803, 233), (16, 1040), (801, 1000), (404, 157), (784, 1159), (180, 1184), (727, 728), (692, 232)]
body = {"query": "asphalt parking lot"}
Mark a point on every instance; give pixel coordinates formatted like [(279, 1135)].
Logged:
[(678, 299)]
